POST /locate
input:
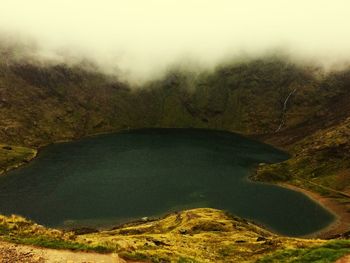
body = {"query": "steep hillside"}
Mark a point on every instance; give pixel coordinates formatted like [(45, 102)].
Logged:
[(320, 148), (321, 158), (42, 103)]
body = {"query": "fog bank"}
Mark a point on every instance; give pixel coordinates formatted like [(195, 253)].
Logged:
[(139, 39)]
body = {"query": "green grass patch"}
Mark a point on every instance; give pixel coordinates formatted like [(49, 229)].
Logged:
[(327, 253), (14, 156)]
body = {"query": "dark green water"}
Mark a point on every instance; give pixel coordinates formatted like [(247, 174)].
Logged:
[(108, 179)]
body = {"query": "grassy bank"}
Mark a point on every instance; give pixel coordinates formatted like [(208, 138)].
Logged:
[(14, 156)]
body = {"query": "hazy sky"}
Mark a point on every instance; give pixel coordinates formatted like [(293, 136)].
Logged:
[(142, 37)]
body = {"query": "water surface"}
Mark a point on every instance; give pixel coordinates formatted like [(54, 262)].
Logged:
[(113, 178)]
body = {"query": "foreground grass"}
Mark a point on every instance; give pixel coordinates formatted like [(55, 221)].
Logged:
[(19, 230), (197, 235), (327, 253)]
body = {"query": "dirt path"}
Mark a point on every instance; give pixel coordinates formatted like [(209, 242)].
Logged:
[(342, 222), (345, 259), (13, 253)]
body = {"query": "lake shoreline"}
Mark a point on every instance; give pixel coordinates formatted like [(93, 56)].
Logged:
[(341, 222), (21, 164)]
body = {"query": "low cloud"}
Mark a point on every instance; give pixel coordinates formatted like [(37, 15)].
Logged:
[(140, 39)]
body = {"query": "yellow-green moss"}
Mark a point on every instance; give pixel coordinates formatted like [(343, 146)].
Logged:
[(14, 156), (320, 162), (197, 235)]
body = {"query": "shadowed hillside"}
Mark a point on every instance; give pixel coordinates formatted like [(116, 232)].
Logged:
[(41, 103)]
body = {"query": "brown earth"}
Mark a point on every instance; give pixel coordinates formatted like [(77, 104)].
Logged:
[(13, 253)]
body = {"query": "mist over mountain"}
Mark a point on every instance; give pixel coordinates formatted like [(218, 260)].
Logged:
[(140, 40)]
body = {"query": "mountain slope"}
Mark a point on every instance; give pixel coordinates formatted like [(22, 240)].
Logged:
[(45, 103)]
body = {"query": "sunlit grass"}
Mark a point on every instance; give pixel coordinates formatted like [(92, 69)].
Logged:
[(326, 253), (14, 156)]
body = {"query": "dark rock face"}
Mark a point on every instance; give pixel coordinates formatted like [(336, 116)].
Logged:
[(7, 148)]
